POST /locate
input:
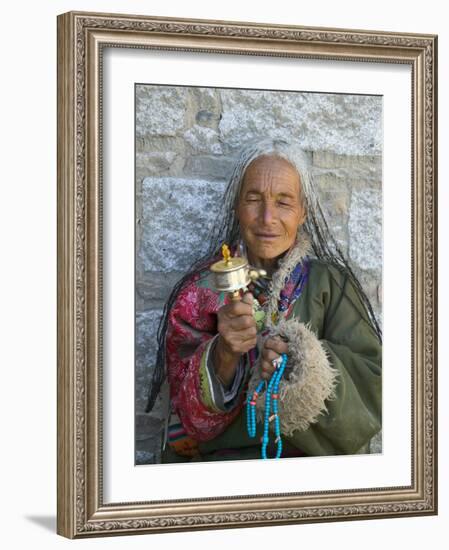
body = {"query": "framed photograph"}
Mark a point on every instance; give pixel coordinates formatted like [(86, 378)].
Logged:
[(185, 401), (181, 197)]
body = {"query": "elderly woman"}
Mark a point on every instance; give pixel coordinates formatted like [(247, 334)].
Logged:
[(309, 308)]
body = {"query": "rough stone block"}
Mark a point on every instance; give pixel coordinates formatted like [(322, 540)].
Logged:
[(365, 229), (203, 140), (153, 288), (335, 200), (359, 163), (159, 144), (158, 164), (147, 323), (147, 426), (145, 457), (208, 167), (345, 124), (160, 110), (176, 219), (376, 444), (206, 106)]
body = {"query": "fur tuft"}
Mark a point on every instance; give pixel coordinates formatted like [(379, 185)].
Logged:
[(310, 382)]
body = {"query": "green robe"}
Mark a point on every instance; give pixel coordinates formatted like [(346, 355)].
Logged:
[(332, 310)]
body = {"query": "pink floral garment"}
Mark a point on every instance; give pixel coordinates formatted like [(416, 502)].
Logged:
[(192, 323)]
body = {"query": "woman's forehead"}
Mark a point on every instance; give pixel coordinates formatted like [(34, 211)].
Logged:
[(271, 169)]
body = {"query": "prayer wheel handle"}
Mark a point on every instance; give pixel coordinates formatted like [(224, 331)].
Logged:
[(235, 295)]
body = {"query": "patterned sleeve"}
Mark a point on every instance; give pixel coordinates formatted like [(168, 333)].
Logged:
[(192, 324), (214, 393)]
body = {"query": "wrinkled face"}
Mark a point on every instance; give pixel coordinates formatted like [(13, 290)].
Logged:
[(269, 207)]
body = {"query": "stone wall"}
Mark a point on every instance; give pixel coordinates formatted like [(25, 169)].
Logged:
[(187, 140)]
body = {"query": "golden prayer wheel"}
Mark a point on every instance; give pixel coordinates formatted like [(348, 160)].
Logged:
[(233, 274)]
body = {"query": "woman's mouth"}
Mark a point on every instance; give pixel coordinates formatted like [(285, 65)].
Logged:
[(266, 236)]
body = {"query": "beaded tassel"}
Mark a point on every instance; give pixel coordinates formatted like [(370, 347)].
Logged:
[(271, 404)]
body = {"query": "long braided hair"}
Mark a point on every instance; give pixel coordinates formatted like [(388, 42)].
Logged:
[(227, 230)]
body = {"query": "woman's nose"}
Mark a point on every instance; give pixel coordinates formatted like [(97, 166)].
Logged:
[(267, 213)]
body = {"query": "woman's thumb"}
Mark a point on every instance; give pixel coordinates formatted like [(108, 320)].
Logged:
[(248, 298)]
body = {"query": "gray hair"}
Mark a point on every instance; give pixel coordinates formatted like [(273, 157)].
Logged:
[(323, 242)]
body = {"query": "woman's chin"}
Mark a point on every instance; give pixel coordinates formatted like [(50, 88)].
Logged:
[(268, 251)]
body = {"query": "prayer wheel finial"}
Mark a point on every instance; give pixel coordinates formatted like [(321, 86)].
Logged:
[(226, 253)]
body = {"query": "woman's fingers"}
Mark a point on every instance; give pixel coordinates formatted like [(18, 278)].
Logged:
[(267, 365), (276, 344), (273, 349), (242, 322), (239, 307), (239, 341), (267, 369), (237, 325)]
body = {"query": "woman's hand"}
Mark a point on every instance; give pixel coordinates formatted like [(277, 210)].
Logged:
[(273, 348), (237, 335)]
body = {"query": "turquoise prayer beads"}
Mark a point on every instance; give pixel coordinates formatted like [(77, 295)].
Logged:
[(271, 405)]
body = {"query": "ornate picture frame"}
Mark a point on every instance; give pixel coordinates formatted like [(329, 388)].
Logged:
[(82, 40)]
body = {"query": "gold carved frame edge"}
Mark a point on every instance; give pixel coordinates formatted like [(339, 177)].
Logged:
[(81, 37)]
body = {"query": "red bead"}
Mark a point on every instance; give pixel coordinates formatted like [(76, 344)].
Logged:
[(252, 402)]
